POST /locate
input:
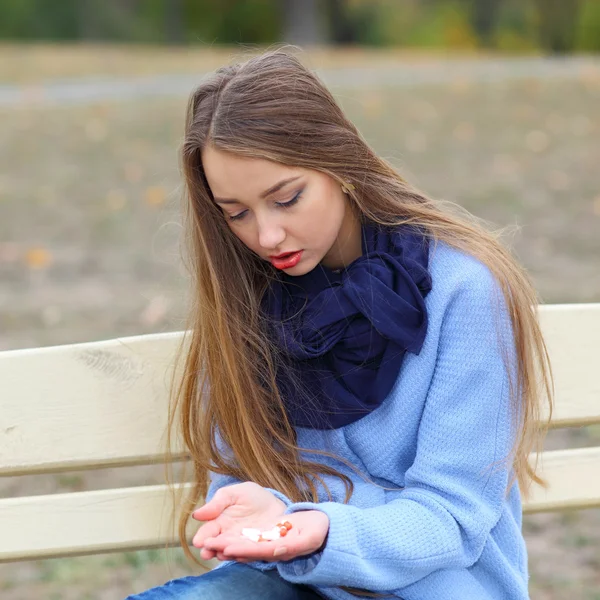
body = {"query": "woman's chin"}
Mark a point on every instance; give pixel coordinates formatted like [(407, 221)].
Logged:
[(299, 269), (302, 268)]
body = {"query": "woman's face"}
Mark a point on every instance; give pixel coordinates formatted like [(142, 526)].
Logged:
[(275, 209)]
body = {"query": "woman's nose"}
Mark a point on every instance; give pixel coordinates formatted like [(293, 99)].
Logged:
[(270, 235)]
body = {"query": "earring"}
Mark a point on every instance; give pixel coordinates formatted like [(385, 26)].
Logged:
[(347, 187)]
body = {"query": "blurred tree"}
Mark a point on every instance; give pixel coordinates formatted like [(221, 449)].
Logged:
[(588, 34), (38, 19), (558, 20), (174, 29), (302, 22), (233, 21), (515, 25), (484, 19), (111, 19), (87, 20), (343, 29)]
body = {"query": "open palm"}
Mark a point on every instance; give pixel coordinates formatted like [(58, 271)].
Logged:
[(249, 505), (233, 508)]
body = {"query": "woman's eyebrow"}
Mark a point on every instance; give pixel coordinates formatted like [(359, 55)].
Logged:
[(270, 191), (278, 186)]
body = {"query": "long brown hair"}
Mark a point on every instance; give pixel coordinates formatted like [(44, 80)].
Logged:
[(272, 107)]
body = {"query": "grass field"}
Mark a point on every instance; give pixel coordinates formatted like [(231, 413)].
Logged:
[(89, 249)]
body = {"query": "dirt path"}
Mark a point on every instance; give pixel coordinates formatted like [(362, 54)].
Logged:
[(93, 89)]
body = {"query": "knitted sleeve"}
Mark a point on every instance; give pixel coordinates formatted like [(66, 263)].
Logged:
[(455, 489)]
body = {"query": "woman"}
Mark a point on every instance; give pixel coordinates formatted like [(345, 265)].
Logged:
[(362, 363)]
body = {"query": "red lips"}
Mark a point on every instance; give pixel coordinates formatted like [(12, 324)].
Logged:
[(287, 260), (284, 254)]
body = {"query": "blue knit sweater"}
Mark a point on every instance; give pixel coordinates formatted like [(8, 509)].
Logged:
[(452, 532)]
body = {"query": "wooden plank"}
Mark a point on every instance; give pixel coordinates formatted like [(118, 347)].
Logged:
[(573, 477), (105, 403), (136, 518), (81, 523), (572, 334), (85, 405)]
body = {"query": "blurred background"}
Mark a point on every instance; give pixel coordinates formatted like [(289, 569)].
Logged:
[(557, 26), (493, 104)]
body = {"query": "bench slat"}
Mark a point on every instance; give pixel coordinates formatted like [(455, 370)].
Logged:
[(80, 523), (136, 518), (86, 405), (72, 407), (573, 480), (572, 332)]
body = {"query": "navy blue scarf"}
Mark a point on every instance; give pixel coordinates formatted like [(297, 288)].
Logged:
[(343, 335)]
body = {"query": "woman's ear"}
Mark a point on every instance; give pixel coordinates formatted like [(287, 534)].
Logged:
[(347, 187)]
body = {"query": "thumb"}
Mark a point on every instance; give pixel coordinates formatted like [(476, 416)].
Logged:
[(211, 510)]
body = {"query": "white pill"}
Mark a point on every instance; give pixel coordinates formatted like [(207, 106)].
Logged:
[(271, 534), (251, 534)]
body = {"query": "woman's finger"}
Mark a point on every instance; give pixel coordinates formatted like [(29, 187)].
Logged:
[(210, 529), (234, 547), (286, 548), (220, 542), (252, 551), (211, 510), (221, 556), (283, 549), (207, 554)]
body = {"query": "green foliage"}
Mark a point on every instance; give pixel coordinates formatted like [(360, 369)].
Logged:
[(588, 30), (517, 27), (206, 21), (38, 19), (512, 25), (417, 23), (365, 20), (232, 21)]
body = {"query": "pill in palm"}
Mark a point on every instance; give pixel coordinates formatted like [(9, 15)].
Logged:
[(269, 535), (251, 534)]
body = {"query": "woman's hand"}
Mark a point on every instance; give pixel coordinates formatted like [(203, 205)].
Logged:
[(232, 508), (235, 507)]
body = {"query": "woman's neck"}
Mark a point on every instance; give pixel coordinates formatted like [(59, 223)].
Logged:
[(348, 244)]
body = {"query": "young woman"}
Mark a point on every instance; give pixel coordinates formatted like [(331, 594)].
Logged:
[(362, 363)]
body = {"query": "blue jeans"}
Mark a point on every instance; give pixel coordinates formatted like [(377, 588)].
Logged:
[(236, 581)]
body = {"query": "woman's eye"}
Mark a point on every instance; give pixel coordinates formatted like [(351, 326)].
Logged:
[(287, 204), (236, 217), (290, 202)]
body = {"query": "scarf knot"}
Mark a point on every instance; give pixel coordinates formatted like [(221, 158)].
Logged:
[(343, 335)]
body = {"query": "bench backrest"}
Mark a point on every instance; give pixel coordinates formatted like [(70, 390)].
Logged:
[(101, 404)]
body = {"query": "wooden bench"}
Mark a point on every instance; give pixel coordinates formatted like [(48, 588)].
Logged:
[(104, 404)]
